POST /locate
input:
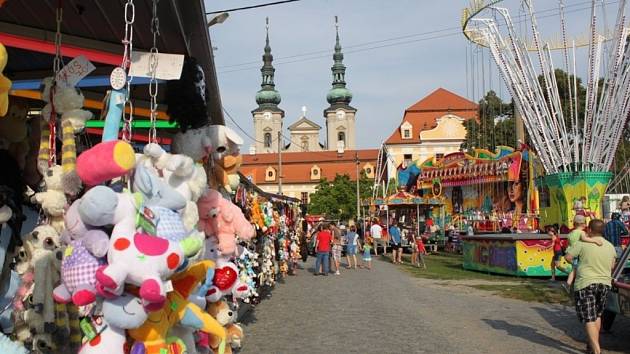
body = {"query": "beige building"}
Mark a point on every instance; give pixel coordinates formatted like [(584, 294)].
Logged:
[(304, 135), (432, 126)]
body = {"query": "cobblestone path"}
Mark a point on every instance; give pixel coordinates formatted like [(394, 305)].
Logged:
[(385, 310)]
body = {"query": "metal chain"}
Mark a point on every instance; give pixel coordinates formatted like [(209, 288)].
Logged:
[(153, 62), (130, 17), (57, 63)]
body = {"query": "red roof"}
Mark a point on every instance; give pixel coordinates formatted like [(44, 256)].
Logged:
[(424, 113), (296, 166)]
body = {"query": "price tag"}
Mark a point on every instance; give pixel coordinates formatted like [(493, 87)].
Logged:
[(118, 78), (74, 71), (169, 66)]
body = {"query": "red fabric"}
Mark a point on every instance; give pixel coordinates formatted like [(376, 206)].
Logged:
[(557, 244), (323, 241), (420, 244)]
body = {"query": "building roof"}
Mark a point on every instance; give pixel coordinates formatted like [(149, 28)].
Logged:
[(296, 166), (423, 114), (304, 124)]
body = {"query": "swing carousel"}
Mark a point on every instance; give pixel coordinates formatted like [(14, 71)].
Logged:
[(575, 138)]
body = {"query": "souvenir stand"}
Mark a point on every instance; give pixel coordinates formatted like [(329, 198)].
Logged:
[(410, 211), (275, 250), (138, 246)]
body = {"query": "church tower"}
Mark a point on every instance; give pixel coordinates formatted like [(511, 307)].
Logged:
[(340, 116), (268, 116)]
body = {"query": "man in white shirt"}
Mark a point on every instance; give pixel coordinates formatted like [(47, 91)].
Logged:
[(376, 231)]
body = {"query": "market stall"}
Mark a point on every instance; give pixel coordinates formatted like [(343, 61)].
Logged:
[(492, 192), (413, 213), (138, 233)]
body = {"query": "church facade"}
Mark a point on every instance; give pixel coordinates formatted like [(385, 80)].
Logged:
[(307, 157)]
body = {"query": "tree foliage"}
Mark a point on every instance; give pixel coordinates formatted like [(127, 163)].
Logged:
[(337, 199), (495, 125)]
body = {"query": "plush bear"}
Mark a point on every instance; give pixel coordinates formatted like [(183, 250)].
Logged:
[(219, 218), (53, 200), (225, 280), (227, 318), (226, 157), (84, 254), (134, 257)]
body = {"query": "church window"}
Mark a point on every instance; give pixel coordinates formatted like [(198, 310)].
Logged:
[(305, 145), (304, 197), (341, 136), (267, 140)]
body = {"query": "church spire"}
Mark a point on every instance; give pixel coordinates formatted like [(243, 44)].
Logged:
[(339, 94), (267, 97)]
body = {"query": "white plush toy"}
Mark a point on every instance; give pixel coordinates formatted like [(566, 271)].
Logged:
[(53, 200), (180, 172), (195, 143)]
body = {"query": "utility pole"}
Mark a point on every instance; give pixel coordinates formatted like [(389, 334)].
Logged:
[(520, 128), (356, 159), (280, 162)]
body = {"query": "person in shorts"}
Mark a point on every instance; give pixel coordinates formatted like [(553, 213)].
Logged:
[(336, 253), (396, 239), (352, 240), (558, 252), (593, 281)]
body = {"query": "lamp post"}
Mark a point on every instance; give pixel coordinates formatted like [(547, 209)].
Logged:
[(220, 18)]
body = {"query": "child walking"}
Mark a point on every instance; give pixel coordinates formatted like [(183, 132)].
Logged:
[(367, 255), (578, 234), (336, 253), (422, 251)]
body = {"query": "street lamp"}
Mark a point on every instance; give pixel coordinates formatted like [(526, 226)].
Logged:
[(220, 18)]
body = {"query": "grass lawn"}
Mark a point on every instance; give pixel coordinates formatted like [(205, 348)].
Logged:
[(448, 267)]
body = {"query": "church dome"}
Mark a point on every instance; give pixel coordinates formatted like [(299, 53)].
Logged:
[(266, 97), (339, 95)]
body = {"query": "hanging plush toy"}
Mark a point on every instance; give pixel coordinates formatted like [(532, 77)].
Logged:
[(225, 280), (151, 336), (134, 257), (219, 218), (227, 318), (105, 161), (226, 157), (84, 254), (5, 84), (53, 200)]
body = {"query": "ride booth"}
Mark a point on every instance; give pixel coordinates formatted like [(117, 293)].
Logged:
[(493, 194), (413, 213)]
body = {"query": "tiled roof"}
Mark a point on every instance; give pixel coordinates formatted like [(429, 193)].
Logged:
[(423, 114), (296, 166)]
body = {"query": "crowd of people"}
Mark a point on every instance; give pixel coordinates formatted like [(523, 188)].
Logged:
[(592, 252), (329, 241)]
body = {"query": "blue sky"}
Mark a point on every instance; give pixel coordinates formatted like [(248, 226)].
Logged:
[(386, 76)]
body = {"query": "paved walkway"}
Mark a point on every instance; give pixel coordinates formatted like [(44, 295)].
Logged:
[(385, 310)]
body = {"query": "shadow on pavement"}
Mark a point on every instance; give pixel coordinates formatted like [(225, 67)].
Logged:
[(566, 320), (532, 335)]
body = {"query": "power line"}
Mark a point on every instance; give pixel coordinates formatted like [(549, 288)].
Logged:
[(251, 7), (313, 55)]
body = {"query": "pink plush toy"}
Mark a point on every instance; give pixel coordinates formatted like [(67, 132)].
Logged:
[(219, 218), (105, 161)]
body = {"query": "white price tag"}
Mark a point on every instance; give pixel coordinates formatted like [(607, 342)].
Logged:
[(168, 286), (169, 66), (74, 71)]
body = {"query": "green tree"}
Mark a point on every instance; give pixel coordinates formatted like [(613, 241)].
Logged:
[(337, 199), (483, 133)]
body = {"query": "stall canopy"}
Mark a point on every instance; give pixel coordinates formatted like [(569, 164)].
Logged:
[(95, 29), (404, 198)]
